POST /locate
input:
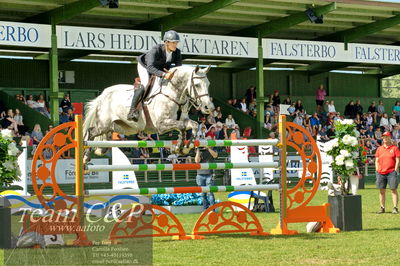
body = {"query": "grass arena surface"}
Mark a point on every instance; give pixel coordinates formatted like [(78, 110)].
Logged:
[(377, 244)]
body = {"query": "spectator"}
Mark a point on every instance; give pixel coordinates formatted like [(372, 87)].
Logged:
[(299, 106), (378, 135), (205, 177), (252, 106), (331, 133), (322, 135), (219, 118), (396, 110), (9, 122), (392, 121), (41, 106), (275, 101), (369, 120), (219, 132), (225, 132), (380, 109), (251, 94), (268, 109), (2, 110), (202, 123), (64, 116), (350, 111), (358, 108), (20, 122), (243, 105), (47, 153), (325, 108), (331, 107), (320, 97), (217, 111), (236, 131), (31, 102), (298, 119), (230, 122), (211, 120), (291, 109), (373, 110), (385, 122), (268, 122), (307, 124), (235, 104), (387, 166), (211, 133), (330, 120), (36, 136), (315, 123), (66, 102), (21, 98), (396, 134), (370, 132), (287, 101), (370, 146), (201, 134)]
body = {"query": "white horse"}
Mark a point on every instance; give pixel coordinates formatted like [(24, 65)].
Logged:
[(108, 112)]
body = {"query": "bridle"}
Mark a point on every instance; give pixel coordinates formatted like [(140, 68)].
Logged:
[(195, 101), (190, 90)]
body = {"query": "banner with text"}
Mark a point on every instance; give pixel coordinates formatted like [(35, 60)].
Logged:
[(24, 34), (65, 172), (331, 51), (83, 38)]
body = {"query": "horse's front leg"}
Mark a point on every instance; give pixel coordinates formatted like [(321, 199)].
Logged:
[(194, 126), (167, 125)]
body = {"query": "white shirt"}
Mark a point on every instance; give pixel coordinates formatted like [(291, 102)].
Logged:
[(392, 121), (230, 123), (169, 56), (384, 122), (243, 107), (331, 108)]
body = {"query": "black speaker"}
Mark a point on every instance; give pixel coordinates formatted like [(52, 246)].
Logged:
[(313, 17), (110, 3), (113, 4)]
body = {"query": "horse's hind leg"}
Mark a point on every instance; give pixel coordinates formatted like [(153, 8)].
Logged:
[(89, 135)]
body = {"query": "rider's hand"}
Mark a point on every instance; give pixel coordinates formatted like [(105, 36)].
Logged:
[(169, 75)]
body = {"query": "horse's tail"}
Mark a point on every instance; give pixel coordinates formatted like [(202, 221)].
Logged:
[(90, 121)]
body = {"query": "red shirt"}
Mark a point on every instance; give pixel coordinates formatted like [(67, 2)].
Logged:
[(211, 134), (386, 157)]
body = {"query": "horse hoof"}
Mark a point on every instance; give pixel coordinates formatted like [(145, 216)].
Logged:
[(185, 151), (99, 152), (86, 159)]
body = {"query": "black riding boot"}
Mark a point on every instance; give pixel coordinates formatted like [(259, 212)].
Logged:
[(134, 112)]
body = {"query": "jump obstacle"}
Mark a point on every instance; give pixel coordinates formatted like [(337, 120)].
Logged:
[(231, 218)]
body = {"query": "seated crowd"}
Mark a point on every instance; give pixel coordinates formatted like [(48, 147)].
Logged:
[(370, 124), (13, 119)]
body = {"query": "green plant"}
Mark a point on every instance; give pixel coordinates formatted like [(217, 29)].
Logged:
[(9, 169), (346, 151)]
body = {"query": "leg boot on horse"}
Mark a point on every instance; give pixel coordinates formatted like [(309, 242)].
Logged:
[(134, 111)]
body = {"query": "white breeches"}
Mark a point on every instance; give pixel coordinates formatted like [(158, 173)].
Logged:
[(143, 74)]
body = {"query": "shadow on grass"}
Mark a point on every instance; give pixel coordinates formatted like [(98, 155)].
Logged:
[(382, 229), (303, 236)]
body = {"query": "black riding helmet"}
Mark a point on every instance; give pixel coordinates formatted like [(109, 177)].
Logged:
[(171, 36)]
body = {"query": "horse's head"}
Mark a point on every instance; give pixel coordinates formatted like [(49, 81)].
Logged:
[(198, 90)]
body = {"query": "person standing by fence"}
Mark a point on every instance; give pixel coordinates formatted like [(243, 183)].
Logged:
[(387, 166), (205, 177)]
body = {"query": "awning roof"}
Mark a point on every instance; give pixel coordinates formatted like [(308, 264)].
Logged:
[(359, 21)]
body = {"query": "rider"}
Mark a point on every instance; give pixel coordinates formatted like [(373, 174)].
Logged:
[(156, 62)]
